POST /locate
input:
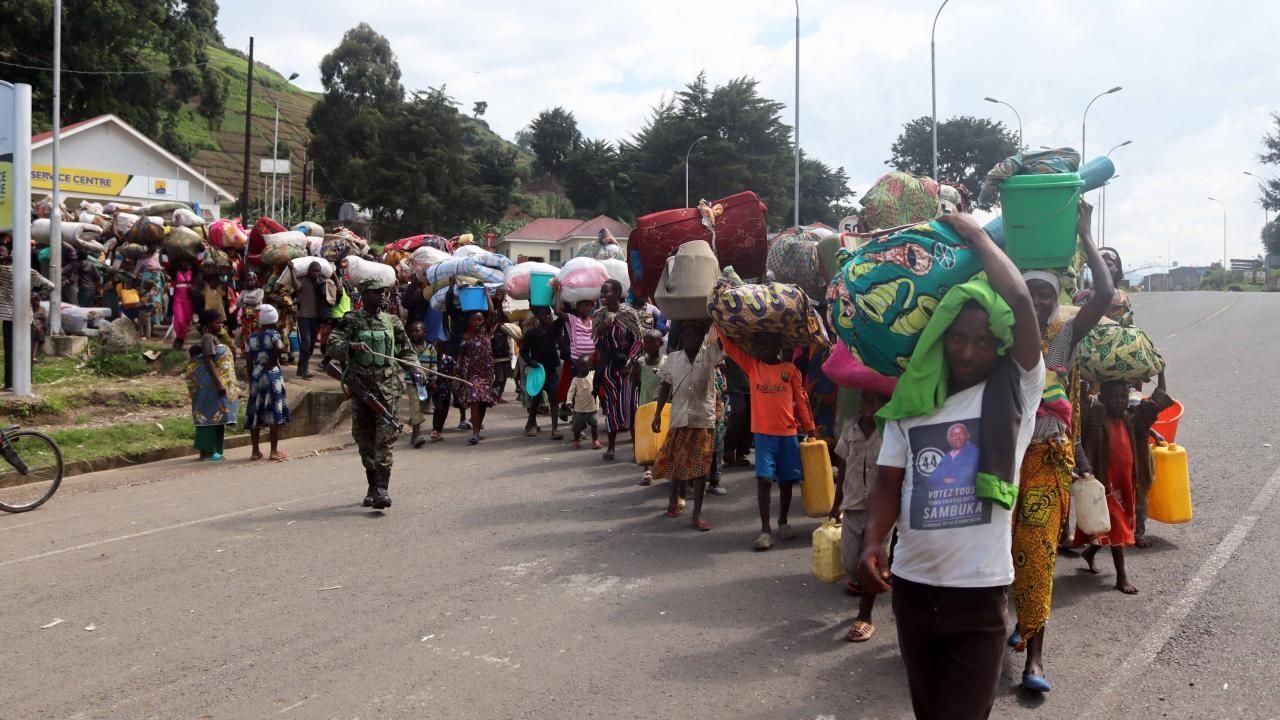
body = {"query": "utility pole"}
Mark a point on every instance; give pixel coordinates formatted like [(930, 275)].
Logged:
[(248, 120), (305, 159), (55, 216)]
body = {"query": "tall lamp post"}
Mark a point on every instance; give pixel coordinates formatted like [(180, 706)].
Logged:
[(1015, 114), (797, 189), (1085, 121), (55, 215), (1266, 215), (1103, 235), (1224, 232), (686, 169), (933, 83)]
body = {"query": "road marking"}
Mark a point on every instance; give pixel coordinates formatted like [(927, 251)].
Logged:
[(166, 528), (1195, 589), (1219, 311), (297, 704)]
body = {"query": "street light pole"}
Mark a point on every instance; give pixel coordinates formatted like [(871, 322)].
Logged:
[(1266, 215), (797, 189), (1015, 114), (1103, 236), (686, 169), (1085, 121), (933, 83), (55, 216), (1224, 233), (275, 150)]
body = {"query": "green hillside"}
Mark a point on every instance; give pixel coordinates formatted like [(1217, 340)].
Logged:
[(220, 151)]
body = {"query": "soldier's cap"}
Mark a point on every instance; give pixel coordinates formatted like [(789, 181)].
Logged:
[(372, 284)]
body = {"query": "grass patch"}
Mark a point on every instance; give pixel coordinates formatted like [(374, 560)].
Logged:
[(121, 365), (159, 396), (129, 438), (53, 369)]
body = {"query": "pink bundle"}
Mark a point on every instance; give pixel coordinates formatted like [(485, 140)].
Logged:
[(228, 234), (580, 279), (846, 370)]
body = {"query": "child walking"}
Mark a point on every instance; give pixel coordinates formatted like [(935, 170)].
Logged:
[(779, 409), (648, 380), (689, 383), (582, 400), (856, 452), (267, 402), (420, 386), (1115, 444)]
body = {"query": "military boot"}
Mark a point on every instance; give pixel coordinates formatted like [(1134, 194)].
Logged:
[(371, 476), (381, 500)]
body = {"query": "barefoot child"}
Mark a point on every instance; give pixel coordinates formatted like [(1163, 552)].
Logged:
[(648, 381), (582, 400), (856, 453), (1115, 443), (779, 409), (267, 402), (689, 384)]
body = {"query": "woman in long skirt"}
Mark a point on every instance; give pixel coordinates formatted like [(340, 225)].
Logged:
[(616, 328), (211, 379), (268, 404), (475, 362), (185, 281)]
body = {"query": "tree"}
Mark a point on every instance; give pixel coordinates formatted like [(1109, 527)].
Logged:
[(479, 108), (822, 192), (553, 138), (126, 36), (589, 176), (1271, 187), (968, 147), (361, 91), (1271, 237)]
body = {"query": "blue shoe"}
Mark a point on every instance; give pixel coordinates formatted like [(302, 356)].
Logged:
[(1015, 639), (1035, 683)]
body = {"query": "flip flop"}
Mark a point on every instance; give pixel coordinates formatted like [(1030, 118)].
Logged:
[(860, 631), (473, 440), (1035, 683), (701, 525)]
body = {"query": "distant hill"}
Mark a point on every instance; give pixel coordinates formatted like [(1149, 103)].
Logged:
[(220, 151)]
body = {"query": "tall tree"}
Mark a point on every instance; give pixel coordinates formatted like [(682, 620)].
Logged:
[(553, 138), (589, 176), (967, 148), (1271, 156), (119, 36), (361, 91)]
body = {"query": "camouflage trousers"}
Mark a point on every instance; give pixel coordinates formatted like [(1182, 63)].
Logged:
[(373, 436)]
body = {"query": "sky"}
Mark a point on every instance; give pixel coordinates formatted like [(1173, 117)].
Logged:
[(1199, 79)]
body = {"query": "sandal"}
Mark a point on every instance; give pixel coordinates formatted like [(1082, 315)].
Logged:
[(473, 440), (436, 437), (418, 441), (279, 456), (608, 455), (532, 431), (673, 510), (701, 525), (648, 478), (860, 631)]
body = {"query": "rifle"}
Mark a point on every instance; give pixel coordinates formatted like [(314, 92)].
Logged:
[(357, 391)]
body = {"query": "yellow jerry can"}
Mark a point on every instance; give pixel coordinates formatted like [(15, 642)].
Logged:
[(818, 488), (827, 565), (647, 444), (1169, 500)]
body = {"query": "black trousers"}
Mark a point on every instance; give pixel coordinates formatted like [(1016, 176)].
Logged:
[(737, 430), (953, 643), (308, 328)]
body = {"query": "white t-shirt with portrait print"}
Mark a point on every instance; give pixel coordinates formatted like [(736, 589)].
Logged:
[(947, 536)]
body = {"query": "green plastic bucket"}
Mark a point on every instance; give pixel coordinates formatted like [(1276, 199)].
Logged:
[(1040, 219), (540, 293)]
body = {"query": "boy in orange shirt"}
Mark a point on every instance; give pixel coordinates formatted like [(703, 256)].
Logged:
[(779, 410)]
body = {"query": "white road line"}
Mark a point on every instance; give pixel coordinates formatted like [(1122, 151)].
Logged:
[(1164, 628), (166, 528), (1219, 311)]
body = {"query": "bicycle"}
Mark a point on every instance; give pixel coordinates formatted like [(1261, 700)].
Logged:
[(34, 472)]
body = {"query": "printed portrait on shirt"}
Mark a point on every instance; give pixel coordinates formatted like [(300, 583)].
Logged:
[(944, 458)]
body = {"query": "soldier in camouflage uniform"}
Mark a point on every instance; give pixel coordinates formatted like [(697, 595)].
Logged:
[(353, 337)]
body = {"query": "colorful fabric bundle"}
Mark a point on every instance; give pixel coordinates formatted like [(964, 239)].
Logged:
[(899, 199), (742, 311), (1041, 162), (258, 235), (184, 244), (795, 259), (214, 259), (414, 242), (146, 232), (133, 251), (847, 371), (277, 255), (1115, 352), (890, 288), (227, 234)]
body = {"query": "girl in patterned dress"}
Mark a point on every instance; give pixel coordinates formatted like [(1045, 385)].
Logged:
[(267, 402)]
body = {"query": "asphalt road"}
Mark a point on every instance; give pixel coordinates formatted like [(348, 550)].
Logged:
[(520, 579)]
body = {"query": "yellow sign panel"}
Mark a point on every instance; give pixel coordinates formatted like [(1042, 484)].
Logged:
[(78, 180), (7, 191)]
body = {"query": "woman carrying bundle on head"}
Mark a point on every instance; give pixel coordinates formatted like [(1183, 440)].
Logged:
[(617, 333)]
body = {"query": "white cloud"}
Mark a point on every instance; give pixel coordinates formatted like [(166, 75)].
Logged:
[(1196, 77)]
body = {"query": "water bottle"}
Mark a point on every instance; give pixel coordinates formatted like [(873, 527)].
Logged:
[(422, 389)]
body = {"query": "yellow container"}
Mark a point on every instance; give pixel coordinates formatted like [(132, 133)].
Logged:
[(1169, 500), (817, 488), (647, 444), (827, 565)]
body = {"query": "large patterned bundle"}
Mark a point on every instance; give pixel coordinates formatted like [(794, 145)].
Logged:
[(890, 287), (580, 279), (486, 267), (184, 243), (899, 198), (742, 311), (606, 249), (794, 259), (1115, 352), (227, 234)]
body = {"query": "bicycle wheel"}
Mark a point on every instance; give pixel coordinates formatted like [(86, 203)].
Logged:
[(20, 492)]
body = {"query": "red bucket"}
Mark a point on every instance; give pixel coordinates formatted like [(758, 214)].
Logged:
[(1167, 423)]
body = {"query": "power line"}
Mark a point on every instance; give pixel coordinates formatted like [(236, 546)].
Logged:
[(110, 72)]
